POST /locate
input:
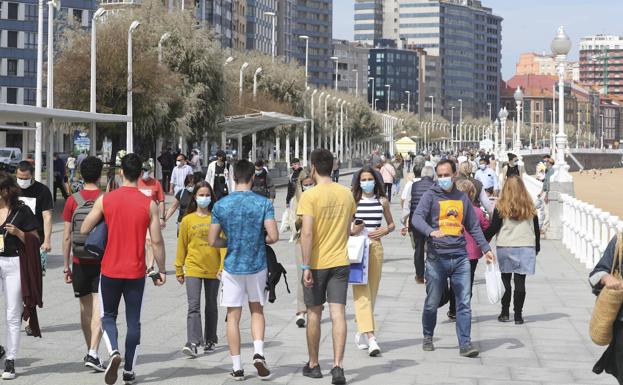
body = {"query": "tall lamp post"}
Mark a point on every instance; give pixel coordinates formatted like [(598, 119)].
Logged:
[(373, 94), (408, 101), (502, 115), (356, 82), (375, 100), (389, 93), (460, 124), (518, 95), (39, 101), (432, 109), (337, 62), (241, 81), (129, 140), (311, 109), (602, 130), (306, 38), (93, 107), (272, 39), (255, 75)]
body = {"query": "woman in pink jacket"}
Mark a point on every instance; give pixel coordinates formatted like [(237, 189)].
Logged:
[(388, 172), (473, 251)]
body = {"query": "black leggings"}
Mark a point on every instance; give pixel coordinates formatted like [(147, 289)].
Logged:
[(388, 191), (520, 282)]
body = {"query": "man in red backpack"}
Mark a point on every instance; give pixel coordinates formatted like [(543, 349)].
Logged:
[(84, 273)]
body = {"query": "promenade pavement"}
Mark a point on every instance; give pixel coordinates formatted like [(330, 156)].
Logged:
[(553, 346)]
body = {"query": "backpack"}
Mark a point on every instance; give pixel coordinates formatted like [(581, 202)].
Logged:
[(275, 271), (77, 239)]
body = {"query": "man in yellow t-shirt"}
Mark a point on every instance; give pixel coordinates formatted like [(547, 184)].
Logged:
[(327, 210)]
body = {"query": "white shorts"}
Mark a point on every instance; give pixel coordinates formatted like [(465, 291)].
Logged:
[(238, 290)]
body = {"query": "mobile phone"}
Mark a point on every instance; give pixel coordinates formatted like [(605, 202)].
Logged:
[(358, 221)]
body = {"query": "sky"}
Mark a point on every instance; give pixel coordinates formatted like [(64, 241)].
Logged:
[(528, 26)]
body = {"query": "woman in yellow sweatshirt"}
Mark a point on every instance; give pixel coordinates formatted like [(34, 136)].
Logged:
[(197, 264)]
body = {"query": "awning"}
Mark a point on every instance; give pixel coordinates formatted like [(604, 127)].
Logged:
[(251, 123), (23, 113)]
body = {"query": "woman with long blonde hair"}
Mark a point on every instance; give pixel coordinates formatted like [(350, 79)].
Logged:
[(516, 224)]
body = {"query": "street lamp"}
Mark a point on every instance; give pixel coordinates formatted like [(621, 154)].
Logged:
[(375, 100), (39, 101), (241, 82), (389, 93), (311, 131), (502, 115), (408, 101), (257, 72), (356, 82), (306, 38), (229, 60), (373, 94), (602, 130), (561, 45), (518, 95), (326, 102), (460, 123), (432, 109), (452, 123), (336, 60), (272, 15), (164, 38), (93, 108), (490, 117), (129, 130), (51, 5)]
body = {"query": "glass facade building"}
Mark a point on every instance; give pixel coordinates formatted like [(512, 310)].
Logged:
[(314, 18), (400, 70)]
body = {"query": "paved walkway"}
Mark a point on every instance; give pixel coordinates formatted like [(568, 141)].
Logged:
[(551, 348)]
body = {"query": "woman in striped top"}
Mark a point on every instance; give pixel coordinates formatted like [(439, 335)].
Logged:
[(372, 206)]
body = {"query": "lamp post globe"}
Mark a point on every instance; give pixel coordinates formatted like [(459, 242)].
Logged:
[(561, 45)]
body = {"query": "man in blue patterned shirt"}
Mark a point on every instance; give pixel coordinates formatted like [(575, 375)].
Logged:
[(248, 221)]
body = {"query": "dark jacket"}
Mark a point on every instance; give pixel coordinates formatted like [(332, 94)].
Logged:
[(263, 185), (417, 191), (604, 267), (292, 184), (452, 213), (32, 284)]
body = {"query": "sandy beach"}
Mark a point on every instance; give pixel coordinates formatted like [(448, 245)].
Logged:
[(605, 191)]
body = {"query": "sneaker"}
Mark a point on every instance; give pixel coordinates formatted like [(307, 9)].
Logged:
[(110, 376), (300, 320), (419, 280), (314, 372), (93, 363), (362, 341), (503, 317), (451, 316), (9, 370), (190, 350), (427, 344), (518, 318), (2, 352), (338, 376), (28, 330), (128, 378), (260, 365), (469, 351), (374, 349), (237, 375), (209, 347)]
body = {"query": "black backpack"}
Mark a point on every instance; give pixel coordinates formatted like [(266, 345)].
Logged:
[(78, 239), (275, 271)]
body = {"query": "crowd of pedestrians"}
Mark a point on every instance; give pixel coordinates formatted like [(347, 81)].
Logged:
[(451, 208)]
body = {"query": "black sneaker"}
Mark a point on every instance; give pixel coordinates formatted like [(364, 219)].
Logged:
[(110, 376), (28, 330), (9, 370), (262, 368), (300, 320), (469, 351), (451, 316), (338, 376), (314, 372), (93, 363), (503, 317), (237, 375), (209, 348), (190, 350), (427, 344), (128, 378)]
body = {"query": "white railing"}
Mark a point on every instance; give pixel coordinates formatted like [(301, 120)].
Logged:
[(587, 230)]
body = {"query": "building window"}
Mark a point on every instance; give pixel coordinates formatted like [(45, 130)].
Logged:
[(31, 40), (78, 15), (11, 67), (30, 68), (12, 39), (12, 12), (11, 95), (30, 96), (31, 12)]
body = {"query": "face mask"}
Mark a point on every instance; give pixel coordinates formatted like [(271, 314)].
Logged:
[(367, 186), (258, 172), (146, 175), (203, 202), (178, 163), (482, 166), (305, 188), (445, 183), (190, 189), (24, 183)]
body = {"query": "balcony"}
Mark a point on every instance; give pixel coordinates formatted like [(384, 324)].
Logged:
[(119, 3)]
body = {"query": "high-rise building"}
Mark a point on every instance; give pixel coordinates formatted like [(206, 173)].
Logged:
[(239, 25), (465, 35), (395, 71), (314, 18), (260, 25), (352, 67), (286, 25), (18, 44), (601, 64)]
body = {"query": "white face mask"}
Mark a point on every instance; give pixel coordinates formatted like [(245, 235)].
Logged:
[(146, 175), (24, 183), (178, 163)]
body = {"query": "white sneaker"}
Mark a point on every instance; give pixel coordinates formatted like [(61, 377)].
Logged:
[(373, 348), (362, 341)]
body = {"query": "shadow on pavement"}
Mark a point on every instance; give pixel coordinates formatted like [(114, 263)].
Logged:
[(388, 346), (60, 328), (494, 343)]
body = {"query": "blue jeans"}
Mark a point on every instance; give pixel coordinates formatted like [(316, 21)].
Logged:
[(438, 270), (111, 291)]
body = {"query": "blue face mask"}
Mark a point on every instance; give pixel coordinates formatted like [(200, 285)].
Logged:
[(367, 186), (203, 202), (445, 183)]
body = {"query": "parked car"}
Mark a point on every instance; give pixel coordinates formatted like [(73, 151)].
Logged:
[(10, 158)]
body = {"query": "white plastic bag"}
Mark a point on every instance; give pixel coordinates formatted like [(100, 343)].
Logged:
[(493, 279), (356, 247), (285, 222)]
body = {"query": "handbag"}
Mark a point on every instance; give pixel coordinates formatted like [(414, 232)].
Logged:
[(608, 303), (356, 247), (97, 239), (495, 286), (358, 274)]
